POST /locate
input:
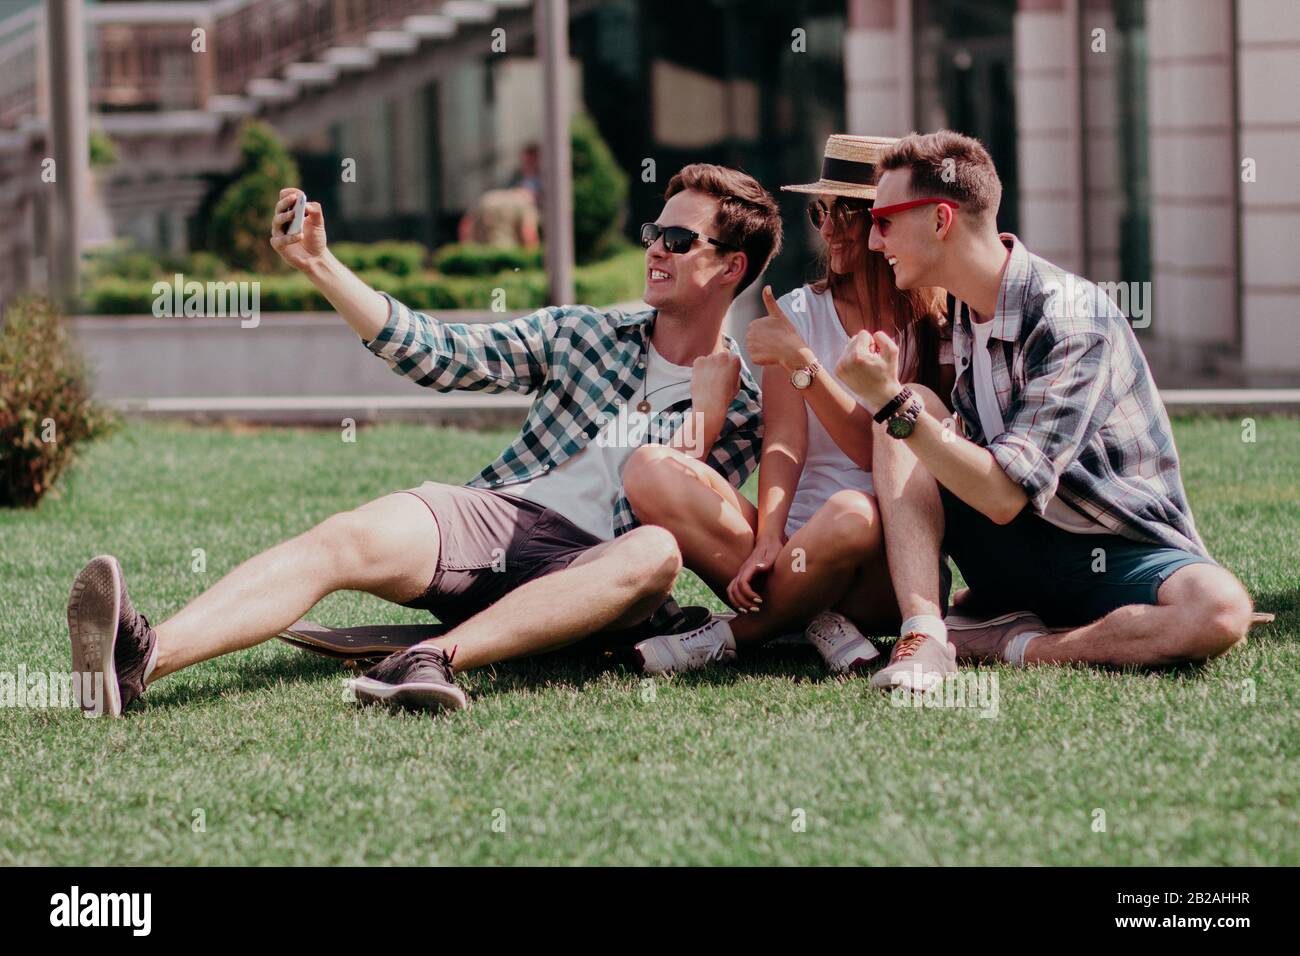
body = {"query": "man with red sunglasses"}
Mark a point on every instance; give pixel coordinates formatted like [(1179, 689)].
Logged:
[(1056, 488)]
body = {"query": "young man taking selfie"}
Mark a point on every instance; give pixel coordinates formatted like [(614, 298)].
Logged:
[(539, 550)]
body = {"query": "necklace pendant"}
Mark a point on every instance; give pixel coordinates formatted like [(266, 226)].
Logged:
[(643, 407)]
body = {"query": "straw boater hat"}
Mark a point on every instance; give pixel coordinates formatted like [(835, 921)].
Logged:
[(848, 166)]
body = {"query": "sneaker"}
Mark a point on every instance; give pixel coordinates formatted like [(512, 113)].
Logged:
[(982, 640), (108, 637), (839, 642), (918, 663), (419, 678), (689, 651)]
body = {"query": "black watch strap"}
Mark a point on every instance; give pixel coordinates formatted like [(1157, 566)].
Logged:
[(893, 405)]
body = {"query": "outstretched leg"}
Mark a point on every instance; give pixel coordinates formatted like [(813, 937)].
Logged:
[(388, 547)]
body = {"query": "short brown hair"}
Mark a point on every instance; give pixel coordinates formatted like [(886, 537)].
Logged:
[(747, 217), (951, 166)]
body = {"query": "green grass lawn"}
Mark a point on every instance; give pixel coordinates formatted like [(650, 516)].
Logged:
[(578, 762)]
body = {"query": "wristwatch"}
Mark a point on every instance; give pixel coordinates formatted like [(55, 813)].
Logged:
[(904, 420), (803, 377)]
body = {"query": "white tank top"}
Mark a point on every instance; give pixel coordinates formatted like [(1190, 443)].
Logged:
[(826, 469)]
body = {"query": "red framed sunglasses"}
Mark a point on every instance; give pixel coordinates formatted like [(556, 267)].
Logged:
[(880, 214)]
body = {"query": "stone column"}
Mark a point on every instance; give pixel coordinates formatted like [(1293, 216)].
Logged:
[(1103, 186), (1048, 127), (1193, 171), (878, 68), (1268, 78)]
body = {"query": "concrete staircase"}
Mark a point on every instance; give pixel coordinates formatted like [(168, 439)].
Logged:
[(173, 109)]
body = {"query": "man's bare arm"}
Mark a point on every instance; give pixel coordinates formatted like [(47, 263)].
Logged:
[(869, 365), (967, 470), (361, 306)]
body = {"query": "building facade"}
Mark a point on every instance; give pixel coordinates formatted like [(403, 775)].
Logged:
[(1142, 143), (1148, 143)]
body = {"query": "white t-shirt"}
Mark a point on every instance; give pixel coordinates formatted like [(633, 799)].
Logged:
[(826, 469), (585, 487), (986, 403)]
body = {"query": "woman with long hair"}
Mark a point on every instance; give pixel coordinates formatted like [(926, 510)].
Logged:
[(813, 550)]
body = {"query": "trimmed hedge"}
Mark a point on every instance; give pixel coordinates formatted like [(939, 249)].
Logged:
[(467, 259), (617, 278), (398, 258), (120, 260)]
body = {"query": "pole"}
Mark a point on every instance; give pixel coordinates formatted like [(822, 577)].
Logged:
[(551, 22), (69, 137)]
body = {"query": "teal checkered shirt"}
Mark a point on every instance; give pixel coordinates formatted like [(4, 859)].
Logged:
[(579, 362)]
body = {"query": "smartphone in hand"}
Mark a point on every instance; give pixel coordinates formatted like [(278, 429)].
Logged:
[(294, 226)]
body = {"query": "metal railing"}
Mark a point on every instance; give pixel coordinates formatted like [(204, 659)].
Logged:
[(175, 56)]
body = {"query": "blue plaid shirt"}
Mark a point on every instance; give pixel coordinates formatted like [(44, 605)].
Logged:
[(1082, 414), (581, 363)]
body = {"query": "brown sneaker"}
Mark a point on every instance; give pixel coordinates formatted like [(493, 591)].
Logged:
[(984, 640), (108, 638), (918, 663), (419, 678)]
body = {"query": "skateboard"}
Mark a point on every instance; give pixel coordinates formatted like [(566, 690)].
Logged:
[(367, 644), (361, 645)]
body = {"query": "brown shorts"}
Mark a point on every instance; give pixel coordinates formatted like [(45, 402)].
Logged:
[(490, 544)]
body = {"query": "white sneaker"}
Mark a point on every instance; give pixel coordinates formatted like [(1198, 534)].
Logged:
[(839, 642), (691, 650)]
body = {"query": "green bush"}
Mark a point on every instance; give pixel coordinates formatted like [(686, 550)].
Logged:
[(113, 296), (599, 192), (103, 151), (617, 279), (45, 404), (241, 219), (468, 259), (400, 258), (120, 259), (426, 292), (397, 258), (519, 290), (614, 279), (287, 293), (431, 293), (203, 265)]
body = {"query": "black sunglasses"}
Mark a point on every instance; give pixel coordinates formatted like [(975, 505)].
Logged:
[(840, 211), (677, 239)]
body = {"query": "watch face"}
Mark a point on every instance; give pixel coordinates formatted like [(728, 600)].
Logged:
[(801, 378), (900, 426)]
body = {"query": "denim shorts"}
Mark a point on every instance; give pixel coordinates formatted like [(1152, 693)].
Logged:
[(1065, 578)]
